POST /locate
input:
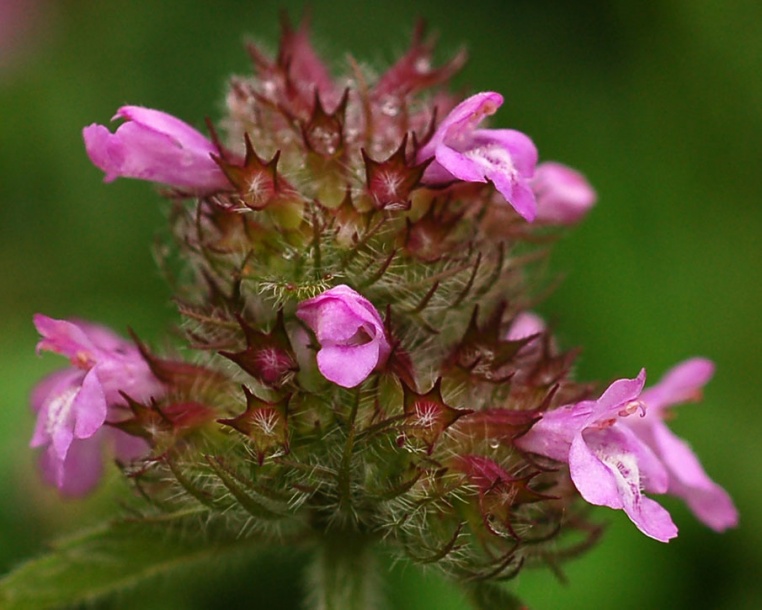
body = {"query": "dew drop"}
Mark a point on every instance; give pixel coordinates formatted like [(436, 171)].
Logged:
[(390, 108)]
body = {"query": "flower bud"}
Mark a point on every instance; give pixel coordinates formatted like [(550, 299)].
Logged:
[(152, 145)]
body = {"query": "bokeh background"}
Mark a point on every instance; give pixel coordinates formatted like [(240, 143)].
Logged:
[(659, 103)]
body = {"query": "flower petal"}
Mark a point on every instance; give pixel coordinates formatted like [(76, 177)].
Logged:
[(607, 472), (552, 436), (709, 502), (80, 472), (163, 123), (616, 397), (593, 477), (563, 195), (350, 332), (680, 384), (153, 145), (461, 121), (348, 366), (89, 407), (66, 338)]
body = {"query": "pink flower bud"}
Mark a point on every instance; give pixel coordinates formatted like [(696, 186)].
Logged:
[(350, 332), (152, 145), (563, 195), (524, 325)]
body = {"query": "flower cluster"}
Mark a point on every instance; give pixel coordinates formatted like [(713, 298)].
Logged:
[(359, 254)]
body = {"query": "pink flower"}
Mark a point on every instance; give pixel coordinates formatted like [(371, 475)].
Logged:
[(72, 405), (503, 156), (524, 325), (563, 195), (350, 332), (609, 464), (687, 480), (152, 145)]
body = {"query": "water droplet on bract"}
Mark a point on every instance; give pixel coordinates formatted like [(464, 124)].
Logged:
[(494, 444), (324, 140), (422, 65), (390, 107)]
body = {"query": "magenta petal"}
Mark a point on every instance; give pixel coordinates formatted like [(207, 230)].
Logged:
[(161, 122), (337, 322), (54, 400), (80, 472), (351, 334), (518, 145), (152, 145), (592, 477), (617, 396), (611, 476), (553, 434), (347, 366), (708, 501), (63, 337), (89, 407), (518, 194), (524, 325), (654, 476), (680, 384), (52, 384), (462, 120), (459, 165), (563, 195), (650, 518), (127, 447), (105, 150), (712, 505)]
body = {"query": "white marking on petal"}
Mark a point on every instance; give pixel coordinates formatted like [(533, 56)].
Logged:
[(59, 409), (492, 157)]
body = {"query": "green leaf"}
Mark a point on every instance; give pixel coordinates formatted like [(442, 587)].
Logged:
[(111, 558)]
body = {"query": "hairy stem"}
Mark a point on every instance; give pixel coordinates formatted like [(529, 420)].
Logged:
[(343, 575)]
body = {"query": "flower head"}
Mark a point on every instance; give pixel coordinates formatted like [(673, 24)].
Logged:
[(609, 464), (687, 479), (350, 332), (153, 145), (73, 404), (563, 195), (503, 156)]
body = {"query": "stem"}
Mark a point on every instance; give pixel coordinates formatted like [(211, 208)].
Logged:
[(493, 596), (344, 575)]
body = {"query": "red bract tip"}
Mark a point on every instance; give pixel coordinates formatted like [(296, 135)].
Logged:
[(264, 423), (413, 71), (427, 415), (268, 357), (391, 181)]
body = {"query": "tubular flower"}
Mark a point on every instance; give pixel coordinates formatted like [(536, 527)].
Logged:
[(72, 405), (155, 146), (563, 195), (609, 464), (350, 332), (687, 479), (505, 157)]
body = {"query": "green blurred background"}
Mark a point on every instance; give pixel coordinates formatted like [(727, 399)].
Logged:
[(659, 103)]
